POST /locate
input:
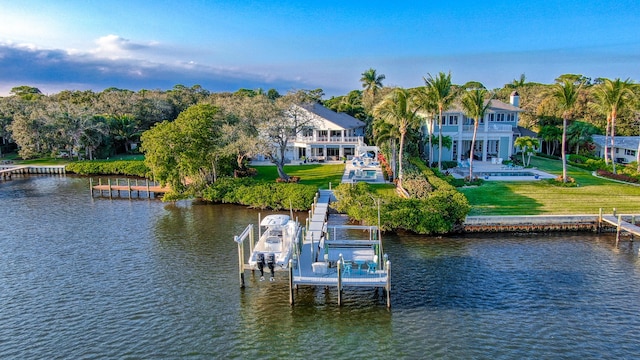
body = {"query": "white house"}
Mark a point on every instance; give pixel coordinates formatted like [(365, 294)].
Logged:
[(496, 132), (332, 136), (625, 150)]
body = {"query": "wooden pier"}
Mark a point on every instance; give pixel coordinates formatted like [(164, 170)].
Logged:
[(127, 186), (619, 221), (7, 171)]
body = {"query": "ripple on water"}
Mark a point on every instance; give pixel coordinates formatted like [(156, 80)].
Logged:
[(99, 278)]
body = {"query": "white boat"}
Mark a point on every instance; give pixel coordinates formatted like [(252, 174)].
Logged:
[(275, 246)]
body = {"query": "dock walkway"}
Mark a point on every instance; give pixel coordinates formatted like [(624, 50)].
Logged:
[(621, 225), (324, 260)]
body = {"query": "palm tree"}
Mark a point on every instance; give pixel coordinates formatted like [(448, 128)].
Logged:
[(399, 109), (384, 131), (440, 87), (613, 95), (475, 107), (426, 101), (528, 146), (371, 82), (565, 94), (550, 134)]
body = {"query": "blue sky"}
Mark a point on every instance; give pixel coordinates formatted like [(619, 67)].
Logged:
[(289, 45)]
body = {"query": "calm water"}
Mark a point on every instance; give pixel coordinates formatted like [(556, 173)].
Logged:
[(99, 278)]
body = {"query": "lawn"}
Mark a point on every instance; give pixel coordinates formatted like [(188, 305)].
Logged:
[(540, 197), (312, 174), (319, 175)]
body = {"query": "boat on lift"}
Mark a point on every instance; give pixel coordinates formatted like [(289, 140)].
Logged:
[(279, 236)]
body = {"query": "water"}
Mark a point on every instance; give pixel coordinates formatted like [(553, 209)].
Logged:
[(84, 277)]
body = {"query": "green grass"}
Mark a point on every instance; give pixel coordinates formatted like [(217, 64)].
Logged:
[(540, 197), (316, 174)]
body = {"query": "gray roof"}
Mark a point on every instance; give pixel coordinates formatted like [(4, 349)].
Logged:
[(496, 105), (342, 120), (522, 131), (621, 142)]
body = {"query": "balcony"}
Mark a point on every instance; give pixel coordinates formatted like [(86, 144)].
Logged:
[(327, 139)]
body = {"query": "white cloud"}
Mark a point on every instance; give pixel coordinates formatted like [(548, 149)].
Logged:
[(116, 47)]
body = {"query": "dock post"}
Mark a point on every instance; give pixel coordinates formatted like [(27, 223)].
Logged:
[(91, 186), (614, 211), (129, 185), (291, 300), (240, 261), (109, 188), (618, 230), (148, 193), (388, 286), (339, 267), (599, 229)]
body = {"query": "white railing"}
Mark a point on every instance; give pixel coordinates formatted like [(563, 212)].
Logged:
[(326, 139)]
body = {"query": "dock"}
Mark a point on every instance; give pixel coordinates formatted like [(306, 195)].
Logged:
[(620, 223), (127, 186), (7, 171), (329, 255)]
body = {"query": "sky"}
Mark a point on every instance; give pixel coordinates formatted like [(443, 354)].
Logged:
[(225, 45)]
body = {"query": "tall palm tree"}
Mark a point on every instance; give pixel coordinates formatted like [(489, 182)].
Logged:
[(399, 109), (443, 95), (372, 83), (384, 131), (428, 106), (613, 95), (565, 94), (475, 107)]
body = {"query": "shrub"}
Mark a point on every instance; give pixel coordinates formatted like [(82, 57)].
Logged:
[(98, 167), (260, 194), (620, 177), (571, 182)]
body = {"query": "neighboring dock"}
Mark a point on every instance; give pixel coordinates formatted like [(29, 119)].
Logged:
[(142, 188), (7, 171)]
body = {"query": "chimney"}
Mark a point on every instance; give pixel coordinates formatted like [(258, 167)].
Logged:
[(514, 99)]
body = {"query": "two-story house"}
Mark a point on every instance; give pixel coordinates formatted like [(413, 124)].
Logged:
[(495, 137), (626, 148), (330, 135)]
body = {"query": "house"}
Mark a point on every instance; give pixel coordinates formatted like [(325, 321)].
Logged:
[(625, 148), (329, 136), (497, 132)]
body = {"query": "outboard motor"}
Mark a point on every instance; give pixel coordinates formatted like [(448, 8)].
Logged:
[(260, 262), (271, 263)]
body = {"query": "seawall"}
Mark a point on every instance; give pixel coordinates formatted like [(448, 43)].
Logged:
[(537, 223)]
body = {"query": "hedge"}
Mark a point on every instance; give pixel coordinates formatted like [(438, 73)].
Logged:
[(99, 167), (261, 194)]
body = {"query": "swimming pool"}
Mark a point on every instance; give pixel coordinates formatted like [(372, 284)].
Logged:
[(510, 173), (362, 174)]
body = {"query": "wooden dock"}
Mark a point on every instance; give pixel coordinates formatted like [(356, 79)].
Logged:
[(7, 171), (618, 220), (127, 186)]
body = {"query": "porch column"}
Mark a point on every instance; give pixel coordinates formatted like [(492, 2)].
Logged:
[(484, 147)]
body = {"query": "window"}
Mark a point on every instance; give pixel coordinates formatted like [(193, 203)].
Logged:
[(453, 119), (511, 117), (492, 117), (333, 151), (500, 117), (629, 152)]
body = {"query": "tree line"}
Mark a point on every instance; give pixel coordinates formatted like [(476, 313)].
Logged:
[(222, 130)]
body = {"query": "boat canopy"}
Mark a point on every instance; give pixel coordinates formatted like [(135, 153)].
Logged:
[(275, 220)]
